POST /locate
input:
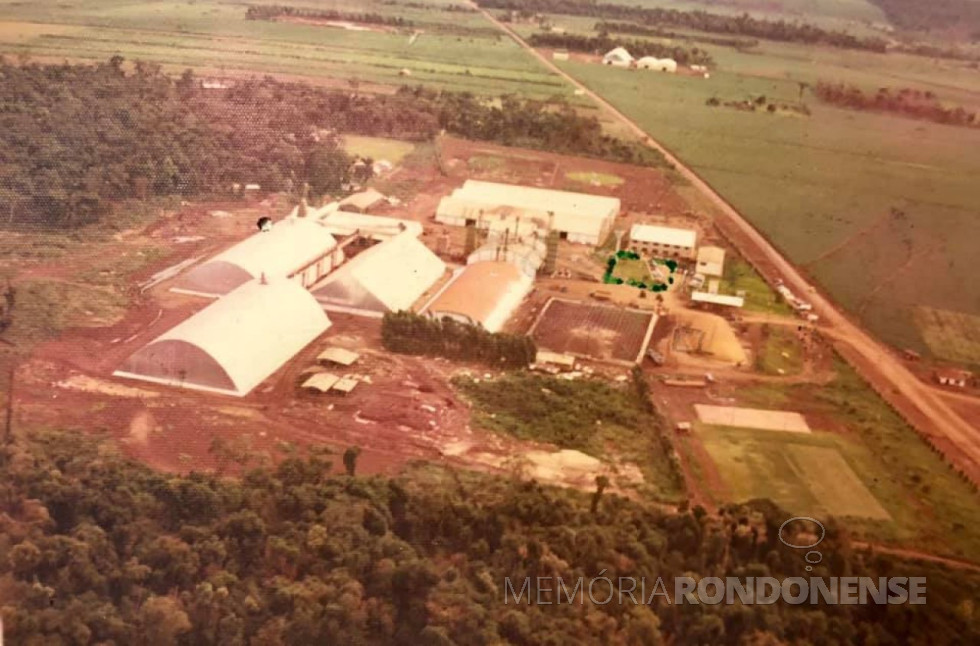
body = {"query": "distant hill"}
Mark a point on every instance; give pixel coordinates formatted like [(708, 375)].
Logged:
[(962, 16)]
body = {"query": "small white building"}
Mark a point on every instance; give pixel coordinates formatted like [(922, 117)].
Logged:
[(657, 64), (953, 377), (663, 242), (617, 57), (711, 261), (723, 300), (559, 55)]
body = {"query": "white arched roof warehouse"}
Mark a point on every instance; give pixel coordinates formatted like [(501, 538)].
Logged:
[(290, 245), (235, 343)]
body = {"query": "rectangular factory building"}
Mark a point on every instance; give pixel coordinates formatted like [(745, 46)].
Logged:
[(577, 217), (663, 242)]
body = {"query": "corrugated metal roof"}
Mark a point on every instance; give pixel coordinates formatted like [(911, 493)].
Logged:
[(663, 235), (539, 199), (484, 292), (395, 273), (341, 356), (235, 343), (717, 299), (291, 244), (322, 381)]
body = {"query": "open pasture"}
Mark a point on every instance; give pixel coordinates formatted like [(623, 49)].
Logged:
[(880, 209), (809, 478), (452, 49)]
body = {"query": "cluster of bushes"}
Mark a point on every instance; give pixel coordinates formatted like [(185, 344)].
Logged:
[(410, 333), (273, 11), (638, 48), (76, 139), (657, 32), (753, 104), (909, 102), (742, 25)]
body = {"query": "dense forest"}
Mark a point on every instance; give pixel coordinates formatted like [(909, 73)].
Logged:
[(75, 139), (743, 25), (644, 30), (908, 102), (638, 48), (916, 15), (273, 11), (97, 549), (410, 333)]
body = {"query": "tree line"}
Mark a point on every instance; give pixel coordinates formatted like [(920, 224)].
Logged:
[(99, 549), (638, 48), (909, 102), (409, 333), (604, 27), (742, 25), (273, 11), (430, 6), (78, 139)]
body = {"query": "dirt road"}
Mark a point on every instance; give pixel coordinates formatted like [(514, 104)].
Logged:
[(917, 402)]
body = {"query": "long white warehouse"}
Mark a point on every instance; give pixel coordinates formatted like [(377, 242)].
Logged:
[(235, 343), (577, 217), (295, 248)]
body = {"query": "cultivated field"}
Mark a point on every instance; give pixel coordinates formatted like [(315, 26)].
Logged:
[(597, 331), (802, 476), (455, 50), (880, 209), (953, 336)]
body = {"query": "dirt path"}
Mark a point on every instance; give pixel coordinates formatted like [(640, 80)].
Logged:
[(916, 401), (915, 555)]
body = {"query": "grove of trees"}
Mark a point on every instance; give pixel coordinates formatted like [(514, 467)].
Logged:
[(410, 333), (96, 549), (273, 11), (909, 102), (77, 139)]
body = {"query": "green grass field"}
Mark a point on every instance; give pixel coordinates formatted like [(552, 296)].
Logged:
[(759, 297), (781, 352), (804, 474), (930, 506), (951, 335), (455, 50), (378, 148), (595, 179), (638, 270), (816, 185)]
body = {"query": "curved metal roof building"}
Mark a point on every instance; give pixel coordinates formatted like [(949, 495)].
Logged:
[(235, 343), (291, 244)]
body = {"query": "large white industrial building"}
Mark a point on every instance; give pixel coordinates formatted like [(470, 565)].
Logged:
[(235, 343), (295, 248), (387, 277), (577, 217)]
